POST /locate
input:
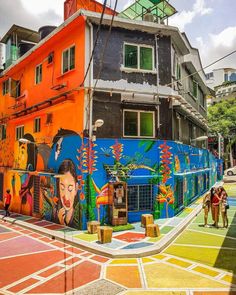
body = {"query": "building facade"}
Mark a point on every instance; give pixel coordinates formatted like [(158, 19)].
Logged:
[(119, 134)]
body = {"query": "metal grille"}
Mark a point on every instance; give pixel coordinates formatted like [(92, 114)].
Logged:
[(180, 193), (140, 197), (196, 185), (36, 205)]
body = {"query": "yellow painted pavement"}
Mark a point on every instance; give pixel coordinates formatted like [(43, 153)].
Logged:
[(160, 275)]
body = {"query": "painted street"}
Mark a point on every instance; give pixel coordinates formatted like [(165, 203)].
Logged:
[(200, 261)]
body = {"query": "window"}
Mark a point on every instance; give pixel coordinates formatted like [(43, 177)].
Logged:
[(193, 87), (201, 98), (68, 59), (138, 57), (2, 131), (140, 197), (138, 123), (176, 69), (19, 132), (15, 88), (5, 87), (38, 74), (37, 124)]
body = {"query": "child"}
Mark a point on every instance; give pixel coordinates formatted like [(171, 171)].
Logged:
[(7, 202)]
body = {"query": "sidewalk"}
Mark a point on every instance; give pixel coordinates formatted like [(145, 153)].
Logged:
[(130, 243)]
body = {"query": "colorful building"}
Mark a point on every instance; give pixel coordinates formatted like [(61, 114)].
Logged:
[(104, 110)]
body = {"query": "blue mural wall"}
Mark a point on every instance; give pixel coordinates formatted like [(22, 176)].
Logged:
[(177, 173)]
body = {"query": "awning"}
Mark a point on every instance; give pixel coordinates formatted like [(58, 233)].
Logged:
[(159, 8)]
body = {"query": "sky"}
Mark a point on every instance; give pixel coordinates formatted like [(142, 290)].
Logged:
[(210, 25)]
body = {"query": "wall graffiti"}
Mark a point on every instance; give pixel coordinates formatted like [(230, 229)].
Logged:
[(75, 174)]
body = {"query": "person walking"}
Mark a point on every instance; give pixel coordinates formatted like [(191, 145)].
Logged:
[(7, 202), (224, 207), (206, 206)]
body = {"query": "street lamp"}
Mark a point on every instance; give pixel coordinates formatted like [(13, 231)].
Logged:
[(98, 123)]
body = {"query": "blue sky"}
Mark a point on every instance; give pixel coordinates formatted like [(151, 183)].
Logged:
[(209, 24)]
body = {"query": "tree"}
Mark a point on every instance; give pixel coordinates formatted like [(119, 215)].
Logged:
[(222, 119)]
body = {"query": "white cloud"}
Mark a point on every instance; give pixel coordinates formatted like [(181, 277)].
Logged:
[(217, 46), (199, 7), (186, 17), (227, 38), (37, 7)]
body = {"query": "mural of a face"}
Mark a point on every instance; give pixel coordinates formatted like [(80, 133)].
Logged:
[(68, 190), (22, 156)]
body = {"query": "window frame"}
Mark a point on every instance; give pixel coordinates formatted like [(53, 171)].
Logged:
[(37, 124), (6, 87), (3, 131), (138, 129), (22, 127), (40, 80), (138, 69), (62, 60)]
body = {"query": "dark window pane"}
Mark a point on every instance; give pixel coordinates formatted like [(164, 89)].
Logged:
[(65, 61), (131, 56), (146, 124), (146, 62), (131, 123), (72, 58)]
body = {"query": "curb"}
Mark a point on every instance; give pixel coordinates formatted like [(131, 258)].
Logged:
[(111, 253)]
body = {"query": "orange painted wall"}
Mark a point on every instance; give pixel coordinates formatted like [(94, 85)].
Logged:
[(69, 114), (71, 6)]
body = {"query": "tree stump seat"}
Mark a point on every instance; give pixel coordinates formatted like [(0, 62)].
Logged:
[(152, 230), (105, 234), (146, 219), (92, 226)]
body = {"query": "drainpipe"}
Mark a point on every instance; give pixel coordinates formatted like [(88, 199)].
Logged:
[(157, 83), (90, 93)]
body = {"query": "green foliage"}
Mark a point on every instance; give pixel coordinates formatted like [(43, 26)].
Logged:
[(156, 210), (90, 195), (222, 117), (148, 144)]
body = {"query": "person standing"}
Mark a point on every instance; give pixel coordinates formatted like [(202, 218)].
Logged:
[(206, 206), (215, 207), (224, 207), (7, 202)]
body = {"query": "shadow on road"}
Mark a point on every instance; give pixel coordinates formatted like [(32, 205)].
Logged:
[(226, 258)]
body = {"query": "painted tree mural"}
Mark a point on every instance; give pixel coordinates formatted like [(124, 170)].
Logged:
[(88, 167), (166, 194)]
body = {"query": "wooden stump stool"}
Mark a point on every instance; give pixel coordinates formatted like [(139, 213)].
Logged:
[(152, 230), (104, 234), (92, 226), (146, 219)]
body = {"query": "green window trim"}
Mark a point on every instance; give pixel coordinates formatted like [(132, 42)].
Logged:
[(38, 74), (5, 87), (138, 123), (138, 57), (68, 59)]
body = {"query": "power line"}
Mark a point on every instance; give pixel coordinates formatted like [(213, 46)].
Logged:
[(201, 70), (95, 43), (105, 47)]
